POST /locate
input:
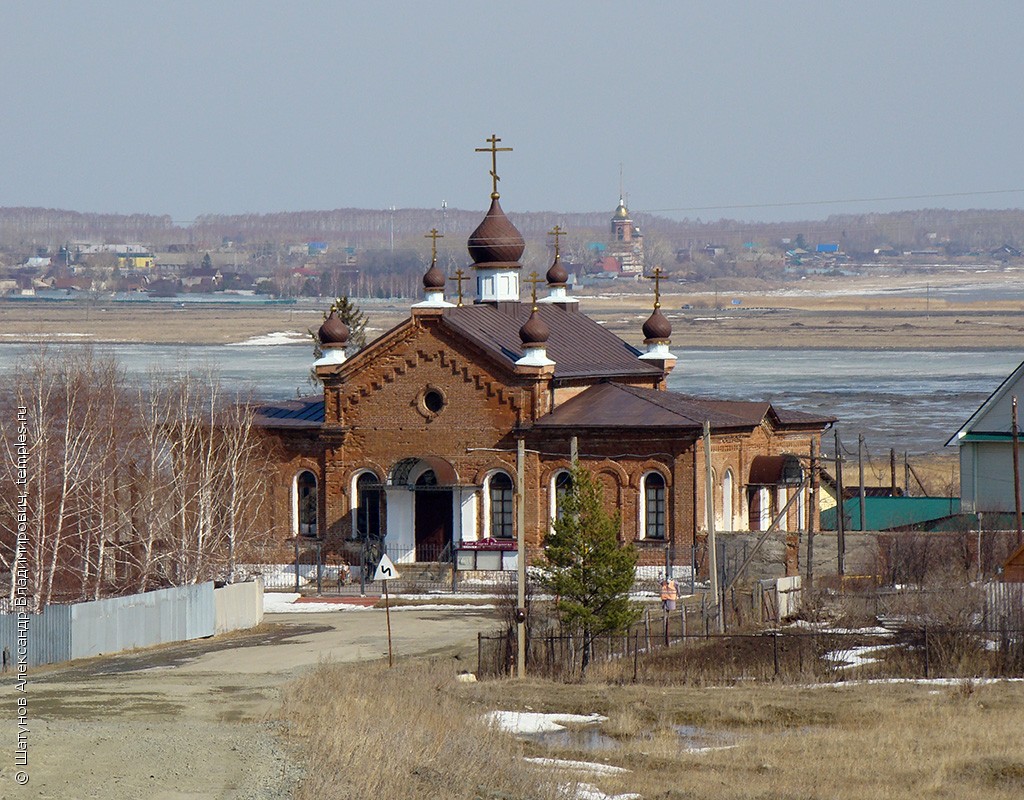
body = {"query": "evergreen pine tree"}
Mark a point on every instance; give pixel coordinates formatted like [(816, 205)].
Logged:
[(586, 567)]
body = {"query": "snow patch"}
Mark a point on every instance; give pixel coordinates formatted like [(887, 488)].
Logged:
[(527, 722), (274, 338), (586, 791), (593, 767)]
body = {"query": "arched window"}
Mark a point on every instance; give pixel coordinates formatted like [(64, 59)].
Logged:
[(368, 498), (727, 521), (654, 506), (305, 503), (500, 506), (561, 485)]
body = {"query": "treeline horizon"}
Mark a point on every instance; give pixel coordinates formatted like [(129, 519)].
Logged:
[(955, 232)]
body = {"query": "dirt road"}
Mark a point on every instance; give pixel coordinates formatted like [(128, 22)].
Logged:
[(199, 721)]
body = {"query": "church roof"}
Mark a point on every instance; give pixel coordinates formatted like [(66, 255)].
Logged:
[(579, 346), (614, 405), (304, 412)]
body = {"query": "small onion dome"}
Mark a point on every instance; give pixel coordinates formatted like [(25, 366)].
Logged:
[(495, 240), (621, 212), (535, 331), (334, 332), (657, 328), (434, 279), (557, 276)]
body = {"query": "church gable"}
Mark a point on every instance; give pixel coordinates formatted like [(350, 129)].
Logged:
[(422, 379)]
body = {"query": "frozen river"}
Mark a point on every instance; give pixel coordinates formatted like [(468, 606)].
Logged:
[(909, 400)]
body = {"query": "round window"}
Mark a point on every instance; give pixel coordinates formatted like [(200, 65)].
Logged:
[(433, 401)]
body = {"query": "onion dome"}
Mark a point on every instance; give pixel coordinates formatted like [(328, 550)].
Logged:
[(334, 332), (621, 212), (434, 279), (496, 240), (535, 331), (557, 275), (657, 328)]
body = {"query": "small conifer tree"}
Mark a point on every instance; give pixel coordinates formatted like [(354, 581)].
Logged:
[(586, 567)]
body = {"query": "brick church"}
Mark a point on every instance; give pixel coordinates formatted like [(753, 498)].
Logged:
[(419, 439)]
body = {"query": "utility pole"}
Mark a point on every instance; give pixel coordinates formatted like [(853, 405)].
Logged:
[(863, 493), (810, 513), (712, 545), (906, 474), (521, 560), (892, 470), (1016, 469), (840, 513)]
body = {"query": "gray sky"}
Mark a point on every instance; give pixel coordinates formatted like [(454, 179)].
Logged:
[(187, 107)]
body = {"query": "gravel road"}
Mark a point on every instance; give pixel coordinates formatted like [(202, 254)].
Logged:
[(199, 721)]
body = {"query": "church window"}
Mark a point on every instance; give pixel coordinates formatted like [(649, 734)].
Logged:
[(727, 521), (654, 506), (368, 498), (499, 495), (433, 400), (561, 485), (305, 503)]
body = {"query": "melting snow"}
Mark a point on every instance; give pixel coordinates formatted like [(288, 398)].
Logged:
[(536, 722), (277, 337)]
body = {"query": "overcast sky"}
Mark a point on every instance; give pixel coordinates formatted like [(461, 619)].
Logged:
[(186, 107)]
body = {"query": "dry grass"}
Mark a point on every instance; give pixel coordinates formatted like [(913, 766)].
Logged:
[(860, 742), (371, 732), (414, 732)]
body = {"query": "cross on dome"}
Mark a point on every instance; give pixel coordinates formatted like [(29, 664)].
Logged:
[(433, 236), (460, 276), (494, 150), (534, 279)]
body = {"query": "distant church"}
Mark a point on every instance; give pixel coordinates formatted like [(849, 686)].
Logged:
[(627, 243), (415, 440)]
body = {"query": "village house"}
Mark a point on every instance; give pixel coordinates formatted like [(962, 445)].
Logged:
[(427, 438)]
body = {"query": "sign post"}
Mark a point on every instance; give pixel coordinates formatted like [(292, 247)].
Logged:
[(386, 572)]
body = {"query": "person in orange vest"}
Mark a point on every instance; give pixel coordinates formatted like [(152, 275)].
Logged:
[(669, 594)]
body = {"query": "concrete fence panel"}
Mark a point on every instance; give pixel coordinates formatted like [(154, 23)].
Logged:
[(238, 606)]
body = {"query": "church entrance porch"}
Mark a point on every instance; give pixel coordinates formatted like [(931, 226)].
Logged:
[(422, 520), (432, 515)]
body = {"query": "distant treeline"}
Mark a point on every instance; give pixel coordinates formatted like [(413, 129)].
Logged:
[(952, 232)]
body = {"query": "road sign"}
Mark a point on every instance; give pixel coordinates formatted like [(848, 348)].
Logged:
[(385, 570)]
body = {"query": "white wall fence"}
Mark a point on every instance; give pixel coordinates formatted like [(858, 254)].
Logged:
[(103, 627)]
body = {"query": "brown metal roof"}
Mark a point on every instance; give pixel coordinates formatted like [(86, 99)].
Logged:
[(579, 346), (614, 405)]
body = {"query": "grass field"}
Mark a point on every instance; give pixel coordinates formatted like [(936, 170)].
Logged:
[(843, 742)]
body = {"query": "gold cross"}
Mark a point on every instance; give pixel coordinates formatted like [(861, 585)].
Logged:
[(656, 277), (433, 245), (534, 279), (556, 232), (494, 150), (460, 276)]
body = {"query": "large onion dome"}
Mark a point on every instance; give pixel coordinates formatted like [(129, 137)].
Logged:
[(495, 240)]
